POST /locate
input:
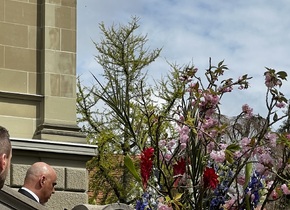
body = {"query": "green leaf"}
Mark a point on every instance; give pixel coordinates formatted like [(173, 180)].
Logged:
[(248, 173), (233, 147), (275, 117), (248, 205), (230, 150), (229, 156), (282, 75), (129, 164)]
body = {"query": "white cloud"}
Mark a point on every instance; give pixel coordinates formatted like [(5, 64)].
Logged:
[(249, 35)]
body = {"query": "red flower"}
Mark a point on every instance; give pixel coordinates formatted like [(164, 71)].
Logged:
[(179, 169), (146, 165), (210, 178)]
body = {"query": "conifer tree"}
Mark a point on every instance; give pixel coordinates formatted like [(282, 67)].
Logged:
[(110, 112)]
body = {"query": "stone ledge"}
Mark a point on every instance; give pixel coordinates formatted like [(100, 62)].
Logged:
[(66, 200), (58, 129), (54, 147), (21, 96), (11, 199), (114, 206)]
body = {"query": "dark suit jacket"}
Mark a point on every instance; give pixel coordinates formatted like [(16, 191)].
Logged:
[(27, 194)]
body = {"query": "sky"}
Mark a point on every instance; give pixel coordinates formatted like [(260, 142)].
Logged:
[(248, 35)]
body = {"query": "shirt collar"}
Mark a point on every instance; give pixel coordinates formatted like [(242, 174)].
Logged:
[(32, 193)]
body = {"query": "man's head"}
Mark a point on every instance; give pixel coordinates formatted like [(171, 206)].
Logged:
[(41, 179), (5, 154)]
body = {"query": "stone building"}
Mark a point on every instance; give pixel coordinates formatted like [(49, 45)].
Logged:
[(38, 94)]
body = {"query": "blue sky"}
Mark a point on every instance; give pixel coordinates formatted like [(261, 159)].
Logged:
[(247, 34)]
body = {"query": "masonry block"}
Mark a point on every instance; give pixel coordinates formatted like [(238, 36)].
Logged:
[(18, 172), (76, 179), (66, 200), (60, 173), (7, 180)]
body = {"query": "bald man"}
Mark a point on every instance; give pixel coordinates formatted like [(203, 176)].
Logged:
[(5, 154), (39, 182)]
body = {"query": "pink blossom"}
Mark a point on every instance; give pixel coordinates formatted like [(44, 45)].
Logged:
[(259, 207), (210, 147), (167, 157), (245, 142), (271, 80), (247, 110), (185, 79), (223, 146), (171, 144), (252, 197), (164, 207), (268, 80), (238, 154), (184, 129), (183, 134), (161, 205), (285, 189), (229, 203), (274, 195), (259, 150), (241, 180), (260, 168), (192, 87), (227, 88), (162, 143), (210, 111), (182, 146), (181, 118), (271, 137), (209, 102), (269, 184), (280, 104), (212, 99), (218, 156), (209, 123), (207, 126), (266, 159), (183, 138), (279, 162)]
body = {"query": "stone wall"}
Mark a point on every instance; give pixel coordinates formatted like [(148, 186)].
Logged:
[(19, 71), (113, 206), (38, 68), (68, 159), (11, 199), (38, 95)]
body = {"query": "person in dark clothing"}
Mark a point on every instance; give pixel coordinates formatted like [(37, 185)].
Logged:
[(39, 182), (5, 154)]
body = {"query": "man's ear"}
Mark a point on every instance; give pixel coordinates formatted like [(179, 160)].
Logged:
[(42, 180), (3, 162)]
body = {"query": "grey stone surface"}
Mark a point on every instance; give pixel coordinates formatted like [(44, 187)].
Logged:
[(69, 161), (114, 206), (66, 200), (7, 180), (11, 199), (39, 112), (18, 172), (60, 172), (75, 179)]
